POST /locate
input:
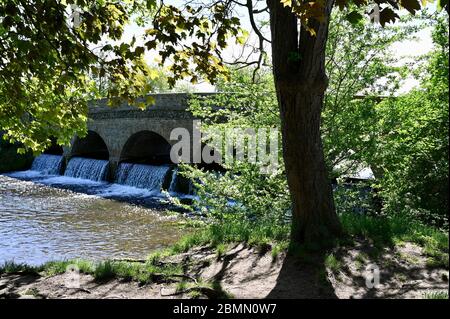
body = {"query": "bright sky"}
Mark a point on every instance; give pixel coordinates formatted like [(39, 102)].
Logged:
[(406, 51)]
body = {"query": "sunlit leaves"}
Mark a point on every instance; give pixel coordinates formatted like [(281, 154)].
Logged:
[(190, 41), (46, 61)]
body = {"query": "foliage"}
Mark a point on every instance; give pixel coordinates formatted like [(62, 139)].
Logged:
[(412, 142), (359, 74), (241, 197), (315, 10), (243, 192), (49, 49), (357, 198), (172, 33)]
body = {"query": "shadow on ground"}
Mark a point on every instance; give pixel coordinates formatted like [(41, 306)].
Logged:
[(303, 279)]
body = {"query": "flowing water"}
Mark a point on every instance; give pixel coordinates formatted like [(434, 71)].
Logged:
[(87, 168), (142, 176), (45, 216), (39, 223), (47, 164)]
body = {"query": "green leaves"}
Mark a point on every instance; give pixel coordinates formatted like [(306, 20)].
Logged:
[(411, 5), (387, 15), (47, 61), (192, 40), (354, 17)]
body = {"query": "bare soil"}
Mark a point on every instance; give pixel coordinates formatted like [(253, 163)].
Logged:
[(245, 272)]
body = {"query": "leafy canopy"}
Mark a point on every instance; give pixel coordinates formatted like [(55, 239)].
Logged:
[(52, 49), (49, 51)]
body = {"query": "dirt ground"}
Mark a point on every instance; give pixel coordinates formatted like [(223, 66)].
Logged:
[(244, 272)]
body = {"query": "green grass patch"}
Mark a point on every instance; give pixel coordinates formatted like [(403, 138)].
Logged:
[(216, 234), (221, 250), (278, 248), (104, 270), (141, 272), (391, 230), (436, 295), (10, 267), (333, 263)]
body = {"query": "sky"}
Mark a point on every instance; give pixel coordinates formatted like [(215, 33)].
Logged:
[(405, 51)]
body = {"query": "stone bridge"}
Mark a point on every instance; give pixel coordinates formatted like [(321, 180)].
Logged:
[(126, 133)]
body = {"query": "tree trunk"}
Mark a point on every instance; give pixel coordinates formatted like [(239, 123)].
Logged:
[(300, 82)]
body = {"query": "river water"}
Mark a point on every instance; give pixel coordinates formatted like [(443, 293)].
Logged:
[(40, 222)]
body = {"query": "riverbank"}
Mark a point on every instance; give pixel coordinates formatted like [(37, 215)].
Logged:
[(380, 257), (240, 271)]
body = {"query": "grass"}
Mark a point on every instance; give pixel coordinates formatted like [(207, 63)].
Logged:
[(216, 234), (141, 272), (332, 263), (392, 230), (436, 295), (221, 249), (278, 248), (10, 267)]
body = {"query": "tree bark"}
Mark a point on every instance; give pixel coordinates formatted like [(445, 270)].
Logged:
[(300, 81)]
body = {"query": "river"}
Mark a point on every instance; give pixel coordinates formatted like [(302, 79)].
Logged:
[(45, 218)]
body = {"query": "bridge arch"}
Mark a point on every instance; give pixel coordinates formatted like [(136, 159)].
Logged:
[(90, 146), (146, 147)]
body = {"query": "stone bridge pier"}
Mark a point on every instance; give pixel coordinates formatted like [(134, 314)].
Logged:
[(126, 133)]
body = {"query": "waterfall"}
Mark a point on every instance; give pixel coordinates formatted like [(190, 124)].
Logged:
[(47, 164), (142, 176), (87, 168)]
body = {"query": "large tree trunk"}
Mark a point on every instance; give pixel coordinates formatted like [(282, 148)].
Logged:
[(300, 83)]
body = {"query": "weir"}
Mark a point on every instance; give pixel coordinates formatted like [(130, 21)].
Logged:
[(151, 177), (48, 164), (126, 145), (87, 168)]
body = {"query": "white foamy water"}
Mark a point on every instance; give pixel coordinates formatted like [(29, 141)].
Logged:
[(117, 190), (143, 182), (67, 180), (25, 174)]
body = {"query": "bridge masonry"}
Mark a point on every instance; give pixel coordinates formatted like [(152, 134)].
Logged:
[(115, 125)]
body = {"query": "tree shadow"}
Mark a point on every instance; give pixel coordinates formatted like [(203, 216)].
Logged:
[(303, 276), (14, 283)]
